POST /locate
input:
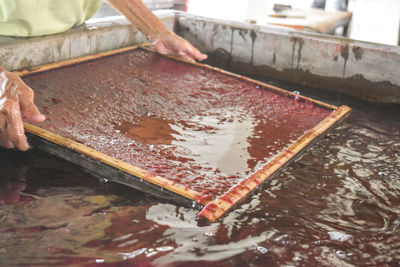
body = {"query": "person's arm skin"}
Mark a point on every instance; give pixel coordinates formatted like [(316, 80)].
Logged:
[(163, 40), (15, 96)]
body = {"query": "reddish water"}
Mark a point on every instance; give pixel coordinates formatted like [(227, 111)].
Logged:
[(197, 127), (338, 205)]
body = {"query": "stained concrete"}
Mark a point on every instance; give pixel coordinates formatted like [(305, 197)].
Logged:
[(365, 70), (96, 35), (361, 69)]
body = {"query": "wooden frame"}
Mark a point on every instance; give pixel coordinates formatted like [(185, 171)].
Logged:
[(100, 164)]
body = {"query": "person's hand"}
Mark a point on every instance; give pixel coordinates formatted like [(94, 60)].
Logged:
[(169, 43), (15, 96), (163, 41)]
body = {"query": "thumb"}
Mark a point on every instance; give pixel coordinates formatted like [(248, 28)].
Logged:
[(32, 113), (29, 109)]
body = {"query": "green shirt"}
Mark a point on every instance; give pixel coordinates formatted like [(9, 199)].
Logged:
[(42, 17)]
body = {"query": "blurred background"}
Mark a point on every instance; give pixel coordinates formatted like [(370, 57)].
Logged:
[(375, 21)]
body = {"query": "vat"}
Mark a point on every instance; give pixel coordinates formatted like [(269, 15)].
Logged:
[(336, 205)]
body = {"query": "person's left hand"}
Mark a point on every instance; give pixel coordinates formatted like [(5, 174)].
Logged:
[(169, 43), (15, 96)]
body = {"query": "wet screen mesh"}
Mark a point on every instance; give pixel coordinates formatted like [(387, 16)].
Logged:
[(193, 130)]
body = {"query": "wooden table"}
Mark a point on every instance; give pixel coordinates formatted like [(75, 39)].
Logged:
[(312, 19)]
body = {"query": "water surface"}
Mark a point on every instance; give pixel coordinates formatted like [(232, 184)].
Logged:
[(338, 205)]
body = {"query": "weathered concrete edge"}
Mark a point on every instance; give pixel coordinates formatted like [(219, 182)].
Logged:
[(361, 69), (365, 70), (97, 35)]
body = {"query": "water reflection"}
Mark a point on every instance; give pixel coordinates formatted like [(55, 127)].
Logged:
[(217, 140), (222, 145), (208, 243)]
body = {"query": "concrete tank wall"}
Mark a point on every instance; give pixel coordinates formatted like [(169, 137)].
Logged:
[(364, 70), (97, 35)]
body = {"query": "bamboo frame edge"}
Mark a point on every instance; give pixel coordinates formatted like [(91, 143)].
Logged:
[(280, 90), (160, 181), (218, 207), (73, 61), (121, 165)]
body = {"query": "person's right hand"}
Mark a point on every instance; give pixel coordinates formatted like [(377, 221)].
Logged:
[(15, 96), (168, 43)]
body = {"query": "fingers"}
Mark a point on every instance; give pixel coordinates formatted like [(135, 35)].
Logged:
[(16, 95), (29, 109), (4, 138), (201, 56), (185, 56), (15, 127), (172, 44), (189, 52), (159, 47), (194, 53)]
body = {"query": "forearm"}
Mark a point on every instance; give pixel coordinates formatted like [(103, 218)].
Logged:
[(140, 16)]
